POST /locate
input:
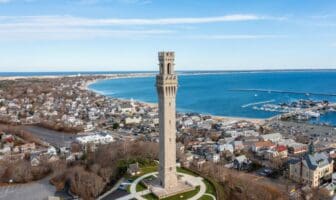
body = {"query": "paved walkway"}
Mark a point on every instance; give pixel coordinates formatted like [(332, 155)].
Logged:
[(210, 195), (134, 193), (196, 181)]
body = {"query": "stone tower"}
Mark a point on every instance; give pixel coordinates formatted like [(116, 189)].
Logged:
[(166, 84)]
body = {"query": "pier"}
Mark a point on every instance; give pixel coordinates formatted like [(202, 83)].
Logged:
[(257, 103), (282, 91)]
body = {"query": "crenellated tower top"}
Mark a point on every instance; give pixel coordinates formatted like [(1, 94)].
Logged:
[(166, 80), (166, 60)]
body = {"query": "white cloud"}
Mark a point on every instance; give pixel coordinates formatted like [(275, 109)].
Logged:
[(5, 1), (70, 27), (75, 33), (136, 1), (38, 21), (10, 1), (111, 1), (235, 37), (87, 1), (325, 16)]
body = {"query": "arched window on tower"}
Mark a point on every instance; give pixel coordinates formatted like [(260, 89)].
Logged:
[(161, 68), (169, 68)]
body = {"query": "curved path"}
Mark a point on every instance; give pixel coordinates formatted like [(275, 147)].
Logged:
[(196, 181)]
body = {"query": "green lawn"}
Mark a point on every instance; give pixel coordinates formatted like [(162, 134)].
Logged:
[(144, 170), (210, 188), (129, 189), (140, 187), (206, 198), (150, 197), (185, 171), (185, 195), (148, 169)]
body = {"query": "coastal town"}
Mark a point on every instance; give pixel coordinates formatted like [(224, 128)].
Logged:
[(48, 120), (167, 100)]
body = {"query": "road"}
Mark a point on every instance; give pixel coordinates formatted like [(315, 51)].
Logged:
[(114, 192), (115, 195), (55, 138)]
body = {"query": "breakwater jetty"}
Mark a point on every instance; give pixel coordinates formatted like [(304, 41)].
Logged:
[(257, 103), (283, 92)]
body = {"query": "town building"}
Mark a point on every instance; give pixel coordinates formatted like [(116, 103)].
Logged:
[(100, 138), (313, 169), (263, 145), (241, 162), (273, 137), (133, 169)]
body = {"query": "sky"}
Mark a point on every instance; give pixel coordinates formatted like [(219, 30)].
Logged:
[(125, 35)]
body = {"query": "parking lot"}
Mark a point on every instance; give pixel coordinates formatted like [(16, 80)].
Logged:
[(55, 138), (39, 190)]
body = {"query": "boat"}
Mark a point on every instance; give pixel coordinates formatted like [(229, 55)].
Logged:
[(313, 114)]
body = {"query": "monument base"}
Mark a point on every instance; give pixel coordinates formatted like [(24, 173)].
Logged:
[(154, 186)]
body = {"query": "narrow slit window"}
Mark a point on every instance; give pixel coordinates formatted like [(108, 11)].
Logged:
[(169, 68)]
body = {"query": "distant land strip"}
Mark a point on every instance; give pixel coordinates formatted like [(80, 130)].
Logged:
[(281, 91)]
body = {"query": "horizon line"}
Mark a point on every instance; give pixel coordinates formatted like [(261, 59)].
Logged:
[(186, 70)]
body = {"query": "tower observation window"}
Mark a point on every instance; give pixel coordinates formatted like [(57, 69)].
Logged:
[(169, 68)]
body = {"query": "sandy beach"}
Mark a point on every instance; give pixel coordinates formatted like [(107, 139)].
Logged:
[(115, 76)]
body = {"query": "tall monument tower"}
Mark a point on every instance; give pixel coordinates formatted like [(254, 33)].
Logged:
[(166, 84)]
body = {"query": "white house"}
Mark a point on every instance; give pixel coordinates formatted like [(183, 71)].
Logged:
[(95, 139), (187, 122), (214, 157), (225, 147), (273, 137), (5, 150), (133, 120), (52, 150)]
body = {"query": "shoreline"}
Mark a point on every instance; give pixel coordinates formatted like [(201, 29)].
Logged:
[(216, 117), (114, 76), (94, 78)]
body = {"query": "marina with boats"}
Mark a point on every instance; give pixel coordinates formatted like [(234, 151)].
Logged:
[(300, 110)]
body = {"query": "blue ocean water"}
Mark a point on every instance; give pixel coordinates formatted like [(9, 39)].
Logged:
[(328, 118), (231, 93)]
